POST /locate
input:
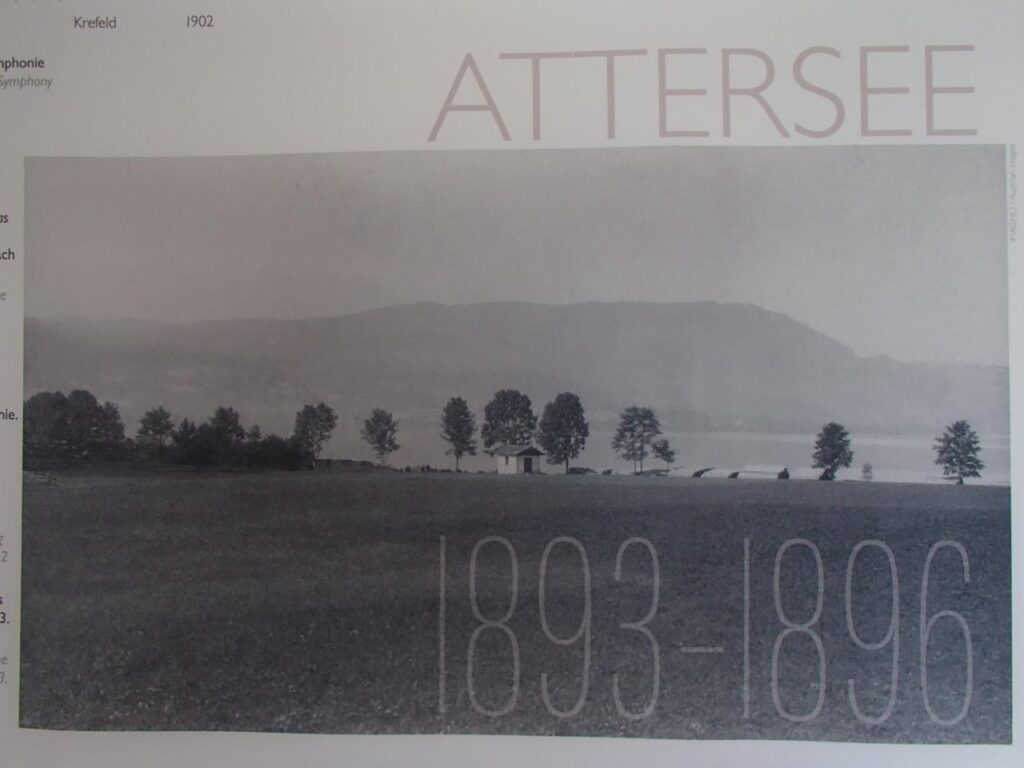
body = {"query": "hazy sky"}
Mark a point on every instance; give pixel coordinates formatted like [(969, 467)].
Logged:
[(898, 251)]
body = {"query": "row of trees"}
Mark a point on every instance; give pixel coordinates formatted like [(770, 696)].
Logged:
[(77, 425), (509, 420), (957, 452), (223, 441), (562, 431)]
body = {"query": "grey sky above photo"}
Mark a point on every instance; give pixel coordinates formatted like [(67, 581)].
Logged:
[(891, 250)]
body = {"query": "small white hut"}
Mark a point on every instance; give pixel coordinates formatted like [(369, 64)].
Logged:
[(517, 459)]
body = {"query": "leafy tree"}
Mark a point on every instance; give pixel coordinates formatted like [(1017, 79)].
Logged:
[(76, 425), (183, 433), (274, 452), (313, 427), (832, 450), (637, 429), (96, 430), (563, 429), (380, 431), (957, 452), (155, 429), (209, 448), (46, 430), (662, 450), (867, 472), (458, 429), (227, 424), (219, 440), (184, 440), (108, 435), (251, 448), (83, 416), (508, 419)]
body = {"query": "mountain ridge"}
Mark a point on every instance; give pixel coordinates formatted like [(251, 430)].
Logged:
[(702, 365)]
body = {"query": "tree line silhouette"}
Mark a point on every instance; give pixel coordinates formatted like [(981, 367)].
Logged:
[(78, 426)]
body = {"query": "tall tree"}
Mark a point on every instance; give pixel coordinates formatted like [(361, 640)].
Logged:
[(227, 423), (83, 421), (637, 429), (313, 427), (508, 419), (957, 452), (458, 429), (109, 432), (75, 425), (183, 439), (275, 452), (46, 431), (832, 450), (380, 431), (219, 440), (156, 429), (95, 429), (183, 434), (563, 429), (663, 451)]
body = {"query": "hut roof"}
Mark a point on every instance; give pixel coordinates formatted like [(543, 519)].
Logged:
[(515, 450)]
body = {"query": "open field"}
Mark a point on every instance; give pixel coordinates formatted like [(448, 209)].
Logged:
[(310, 602)]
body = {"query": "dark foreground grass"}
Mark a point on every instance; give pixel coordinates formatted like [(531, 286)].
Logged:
[(309, 602)]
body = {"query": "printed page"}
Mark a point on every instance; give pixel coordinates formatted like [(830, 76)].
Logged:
[(407, 383)]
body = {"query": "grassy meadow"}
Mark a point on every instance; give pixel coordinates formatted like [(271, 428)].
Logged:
[(309, 602)]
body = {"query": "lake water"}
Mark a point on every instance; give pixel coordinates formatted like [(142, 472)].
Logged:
[(894, 459)]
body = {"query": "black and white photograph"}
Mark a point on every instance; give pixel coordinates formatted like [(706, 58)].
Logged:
[(670, 442)]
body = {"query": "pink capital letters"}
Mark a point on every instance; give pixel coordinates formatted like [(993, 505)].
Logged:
[(469, 65)]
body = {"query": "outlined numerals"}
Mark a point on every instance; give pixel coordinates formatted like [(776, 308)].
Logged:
[(891, 637), (582, 633), (805, 627), (928, 624), (562, 555), (640, 627), (499, 624)]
